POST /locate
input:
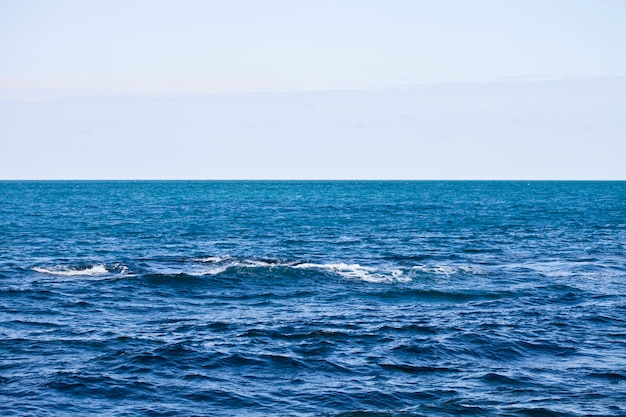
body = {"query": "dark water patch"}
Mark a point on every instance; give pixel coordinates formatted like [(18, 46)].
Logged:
[(283, 362), (316, 349), (372, 401), (31, 348), (35, 324), (536, 412), (177, 280), (605, 320), (410, 328), (497, 379), (172, 355), (223, 399), (88, 385), (292, 334), (424, 348), (278, 294), (161, 410), (406, 259), (328, 367), (76, 304), (362, 414), (614, 377), (227, 361), (434, 295), (415, 369), (453, 407), (476, 251), (220, 326), (550, 348), (486, 347)]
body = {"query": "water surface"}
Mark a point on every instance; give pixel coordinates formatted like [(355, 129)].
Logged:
[(313, 298)]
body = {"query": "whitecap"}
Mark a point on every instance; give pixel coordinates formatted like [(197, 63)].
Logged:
[(251, 263), (215, 271), (203, 272), (356, 271), (554, 269), (237, 262), (212, 259), (73, 271), (346, 270), (447, 270), (397, 273), (334, 267), (436, 270)]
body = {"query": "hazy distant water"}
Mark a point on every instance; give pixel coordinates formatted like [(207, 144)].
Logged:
[(313, 298)]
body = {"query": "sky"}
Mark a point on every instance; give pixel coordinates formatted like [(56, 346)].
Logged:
[(343, 89)]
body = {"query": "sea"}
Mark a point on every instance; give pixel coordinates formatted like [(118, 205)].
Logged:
[(312, 298)]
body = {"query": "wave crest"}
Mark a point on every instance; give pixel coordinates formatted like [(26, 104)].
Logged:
[(63, 270), (357, 271)]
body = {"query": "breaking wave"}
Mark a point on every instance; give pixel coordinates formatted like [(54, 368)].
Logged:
[(68, 271), (215, 265), (356, 271), (86, 270)]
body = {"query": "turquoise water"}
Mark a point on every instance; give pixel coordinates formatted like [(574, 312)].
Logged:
[(313, 298)]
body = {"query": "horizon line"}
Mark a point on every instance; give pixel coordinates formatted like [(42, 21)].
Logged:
[(63, 94), (302, 180)]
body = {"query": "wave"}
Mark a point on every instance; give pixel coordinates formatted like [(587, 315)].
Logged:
[(448, 270), (365, 273), (213, 259), (352, 271), (590, 269), (217, 265), (63, 270), (89, 270), (245, 262)]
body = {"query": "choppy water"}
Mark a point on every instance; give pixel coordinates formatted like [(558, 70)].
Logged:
[(313, 298)]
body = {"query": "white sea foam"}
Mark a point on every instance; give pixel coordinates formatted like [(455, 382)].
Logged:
[(203, 272), (447, 270), (472, 269), (221, 264), (213, 259), (215, 271), (239, 263), (251, 263), (346, 270), (436, 270), (555, 269), (73, 271), (397, 273), (356, 271)]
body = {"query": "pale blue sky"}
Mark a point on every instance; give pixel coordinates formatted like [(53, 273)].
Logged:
[(419, 57), (203, 46)]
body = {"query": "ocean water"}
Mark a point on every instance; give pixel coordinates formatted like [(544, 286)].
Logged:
[(280, 298)]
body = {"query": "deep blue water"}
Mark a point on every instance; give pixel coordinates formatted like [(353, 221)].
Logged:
[(313, 298)]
